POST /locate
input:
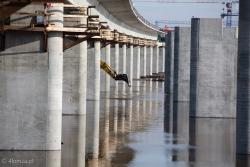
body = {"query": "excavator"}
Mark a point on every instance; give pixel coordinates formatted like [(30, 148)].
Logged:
[(113, 73)]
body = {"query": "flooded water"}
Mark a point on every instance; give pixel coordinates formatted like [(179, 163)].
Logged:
[(137, 128)]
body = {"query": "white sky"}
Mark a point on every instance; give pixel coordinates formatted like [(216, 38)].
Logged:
[(178, 11)]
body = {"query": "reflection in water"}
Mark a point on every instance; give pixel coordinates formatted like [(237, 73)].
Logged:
[(181, 129), (96, 129), (214, 141), (73, 138), (133, 132)]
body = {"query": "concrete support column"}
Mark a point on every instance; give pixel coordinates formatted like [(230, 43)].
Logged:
[(151, 60), (243, 80), (55, 80), (82, 77), (144, 61), (182, 63), (117, 60), (107, 77), (156, 59), (131, 64), (138, 61), (96, 64), (213, 69), (163, 59), (169, 63), (124, 63)]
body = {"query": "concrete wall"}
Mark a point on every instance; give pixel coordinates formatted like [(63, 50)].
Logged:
[(213, 69), (182, 63), (23, 92), (71, 80)]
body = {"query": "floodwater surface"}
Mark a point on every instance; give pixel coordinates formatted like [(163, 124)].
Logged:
[(137, 128)]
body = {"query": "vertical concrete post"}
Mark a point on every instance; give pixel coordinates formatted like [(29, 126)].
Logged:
[(124, 63), (151, 60), (182, 63), (117, 47), (82, 77), (169, 63), (156, 59), (107, 77), (213, 69), (55, 79), (138, 61), (243, 80), (163, 58), (144, 61), (131, 64), (97, 59)]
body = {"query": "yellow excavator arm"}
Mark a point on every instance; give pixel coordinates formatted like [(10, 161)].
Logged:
[(113, 73)]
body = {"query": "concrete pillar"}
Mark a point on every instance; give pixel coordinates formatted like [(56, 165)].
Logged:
[(131, 64), (169, 63), (163, 59), (168, 84), (107, 77), (150, 60), (213, 69), (124, 64), (55, 80), (243, 86), (156, 59), (138, 61), (117, 47), (82, 77), (96, 74), (182, 63), (144, 61)]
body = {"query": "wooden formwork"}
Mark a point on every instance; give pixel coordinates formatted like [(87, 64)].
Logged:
[(106, 34), (123, 38), (130, 40), (79, 24), (136, 41)]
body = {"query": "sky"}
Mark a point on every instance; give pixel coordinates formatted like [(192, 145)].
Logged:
[(177, 11)]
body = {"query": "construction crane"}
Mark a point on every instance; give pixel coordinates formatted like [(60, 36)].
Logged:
[(229, 13), (113, 73), (228, 3)]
